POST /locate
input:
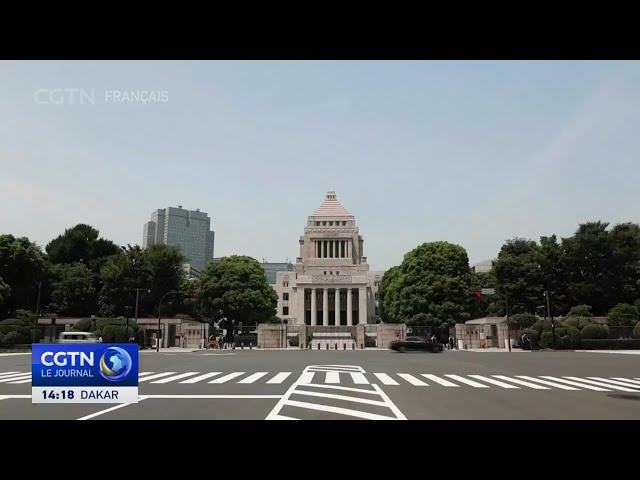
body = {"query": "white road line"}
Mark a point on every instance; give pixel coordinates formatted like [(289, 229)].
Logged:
[(615, 382), (494, 382), (142, 374), (522, 382), (110, 409), (274, 414), (28, 380), (467, 381), (386, 379), (339, 397), (175, 377), (339, 410), (576, 384), (351, 368), (153, 377), (4, 374), (280, 377), (9, 397), (253, 378), (201, 377), (336, 387), (441, 381), (332, 377), (600, 384), (21, 377), (359, 378), (390, 404), (213, 397), (277, 417), (226, 378), (14, 375), (627, 380), (546, 382), (306, 377), (412, 380)]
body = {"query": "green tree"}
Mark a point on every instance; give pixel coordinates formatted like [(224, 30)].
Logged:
[(580, 311), (22, 266), (553, 273), (5, 291), (164, 265), (81, 243), (623, 314), (433, 279), (73, 292), (121, 275), (485, 305), (519, 275), (385, 299), (236, 288)]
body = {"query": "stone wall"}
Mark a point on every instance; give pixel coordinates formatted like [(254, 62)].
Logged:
[(272, 335), (387, 333)]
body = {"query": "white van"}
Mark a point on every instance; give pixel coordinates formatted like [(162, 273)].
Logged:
[(77, 337)]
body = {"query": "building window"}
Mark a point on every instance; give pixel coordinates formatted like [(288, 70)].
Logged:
[(285, 296), (285, 311), (317, 224), (324, 273), (285, 284)]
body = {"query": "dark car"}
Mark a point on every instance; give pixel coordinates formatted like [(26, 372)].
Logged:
[(416, 343)]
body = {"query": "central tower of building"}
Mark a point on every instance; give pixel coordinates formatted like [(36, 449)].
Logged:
[(331, 283)]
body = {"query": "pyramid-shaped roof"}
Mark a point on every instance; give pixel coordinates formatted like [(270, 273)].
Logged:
[(331, 207)]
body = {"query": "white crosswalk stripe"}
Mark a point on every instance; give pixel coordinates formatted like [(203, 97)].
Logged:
[(331, 376), (386, 379)]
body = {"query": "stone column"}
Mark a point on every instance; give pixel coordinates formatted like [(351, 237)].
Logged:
[(349, 307), (362, 305), (337, 320), (325, 307), (314, 308)]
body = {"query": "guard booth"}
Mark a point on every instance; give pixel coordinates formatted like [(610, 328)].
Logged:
[(487, 332)]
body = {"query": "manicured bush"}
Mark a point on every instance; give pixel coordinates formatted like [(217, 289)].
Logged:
[(523, 320), (13, 321), (594, 331), (636, 330), (83, 325), (610, 344), (533, 336), (580, 311), (561, 341)]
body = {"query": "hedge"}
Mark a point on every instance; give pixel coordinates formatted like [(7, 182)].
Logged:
[(594, 331), (636, 330), (610, 344)]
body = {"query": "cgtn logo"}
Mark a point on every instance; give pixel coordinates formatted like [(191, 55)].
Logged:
[(115, 364), (64, 359)]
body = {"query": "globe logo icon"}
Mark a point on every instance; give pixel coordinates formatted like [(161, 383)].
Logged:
[(115, 364)]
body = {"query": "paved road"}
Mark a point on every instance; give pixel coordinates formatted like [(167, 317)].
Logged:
[(376, 385)]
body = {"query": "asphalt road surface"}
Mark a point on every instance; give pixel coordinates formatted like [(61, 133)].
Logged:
[(374, 385)]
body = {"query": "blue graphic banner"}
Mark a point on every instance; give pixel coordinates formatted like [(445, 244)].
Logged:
[(84, 365)]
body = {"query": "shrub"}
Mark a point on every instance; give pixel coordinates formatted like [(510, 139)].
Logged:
[(561, 341), (636, 330), (594, 331), (561, 331), (121, 322), (533, 336), (623, 314), (578, 322), (108, 334), (571, 330), (545, 340), (524, 320), (369, 342), (83, 325), (13, 321), (294, 341), (580, 311)]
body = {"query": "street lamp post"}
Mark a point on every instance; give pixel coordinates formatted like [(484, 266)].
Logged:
[(553, 329), (159, 318), (506, 303), (35, 328)]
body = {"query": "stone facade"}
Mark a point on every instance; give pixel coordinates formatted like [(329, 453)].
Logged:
[(331, 274)]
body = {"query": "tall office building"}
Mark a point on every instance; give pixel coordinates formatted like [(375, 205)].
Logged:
[(188, 229)]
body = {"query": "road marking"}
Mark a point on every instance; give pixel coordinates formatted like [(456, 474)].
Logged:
[(399, 415), (201, 377), (467, 381), (615, 382), (16, 377), (522, 382), (14, 353), (282, 417), (226, 378), (14, 374), (342, 368), (196, 397), (441, 381), (600, 384), (576, 384), (306, 377), (253, 378), (28, 380), (279, 378), (9, 397), (175, 377), (386, 379), (359, 378), (340, 397), (336, 387), (546, 382), (342, 411), (110, 409), (412, 380), (332, 377), (494, 382), (153, 377), (141, 374), (627, 380), (5, 374)]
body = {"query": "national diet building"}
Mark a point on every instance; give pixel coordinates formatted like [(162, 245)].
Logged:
[(331, 283)]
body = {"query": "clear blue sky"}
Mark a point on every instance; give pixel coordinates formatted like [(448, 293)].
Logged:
[(469, 152)]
